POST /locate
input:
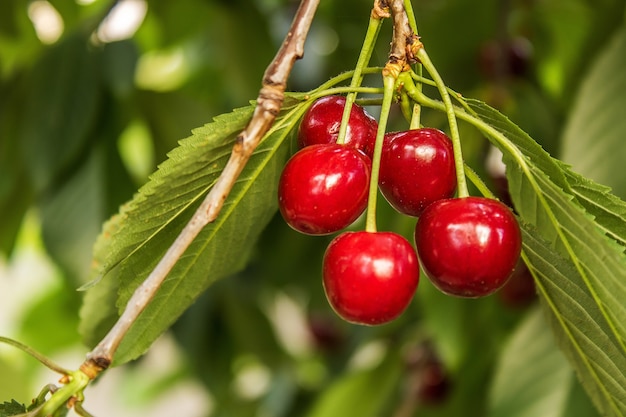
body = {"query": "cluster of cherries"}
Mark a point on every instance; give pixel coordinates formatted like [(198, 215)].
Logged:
[(468, 246)]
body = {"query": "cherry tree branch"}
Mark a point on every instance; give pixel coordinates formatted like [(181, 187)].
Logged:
[(405, 42), (269, 103)]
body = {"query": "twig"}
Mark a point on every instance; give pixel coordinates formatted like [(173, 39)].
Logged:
[(269, 103), (404, 44)]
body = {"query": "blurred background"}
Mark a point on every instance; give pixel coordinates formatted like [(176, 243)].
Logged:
[(94, 93)]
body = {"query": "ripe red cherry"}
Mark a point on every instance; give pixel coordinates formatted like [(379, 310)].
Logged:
[(509, 58), (324, 188), (321, 123), (468, 246), (370, 278), (416, 168)]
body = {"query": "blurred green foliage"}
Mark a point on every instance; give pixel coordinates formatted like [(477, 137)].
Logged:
[(64, 107)]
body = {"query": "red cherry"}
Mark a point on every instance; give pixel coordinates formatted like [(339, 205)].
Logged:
[(434, 387), (416, 168), (370, 278), (326, 333), (322, 121), (324, 188), (468, 246), (431, 381)]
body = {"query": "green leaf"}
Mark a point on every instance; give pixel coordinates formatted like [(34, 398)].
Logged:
[(60, 108), (15, 189), (73, 214), (608, 210), (134, 240), (533, 377), (593, 139), (119, 60), (594, 264), (11, 408), (580, 327)]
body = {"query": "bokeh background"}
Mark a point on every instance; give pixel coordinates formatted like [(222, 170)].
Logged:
[(94, 93)]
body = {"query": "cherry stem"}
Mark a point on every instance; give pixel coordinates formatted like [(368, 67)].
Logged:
[(371, 35), (340, 78), (78, 381), (478, 183), (454, 129), (408, 9), (417, 108), (389, 82), (344, 90), (32, 352)]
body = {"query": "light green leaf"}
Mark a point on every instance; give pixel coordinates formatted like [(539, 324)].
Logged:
[(593, 140), (72, 216), (134, 241), (542, 196), (580, 327), (533, 378)]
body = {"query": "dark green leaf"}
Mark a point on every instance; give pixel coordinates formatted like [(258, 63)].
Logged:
[(15, 189), (134, 240), (59, 109), (119, 60), (11, 408)]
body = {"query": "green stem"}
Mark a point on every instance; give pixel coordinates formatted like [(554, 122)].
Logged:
[(454, 130), (457, 96), (78, 408), (416, 117), (408, 7), (343, 77), (406, 105), (78, 382), (389, 83), (41, 398), (343, 90), (478, 182), (32, 352), (371, 35), (417, 109)]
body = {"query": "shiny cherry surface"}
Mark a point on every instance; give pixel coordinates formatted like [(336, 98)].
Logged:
[(324, 188), (416, 168), (321, 122), (370, 278), (469, 246)]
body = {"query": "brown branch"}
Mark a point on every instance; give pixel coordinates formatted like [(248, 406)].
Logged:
[(269, 103), (405, 42)]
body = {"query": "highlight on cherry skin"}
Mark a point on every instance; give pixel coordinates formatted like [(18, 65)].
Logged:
[(416, 169), (323, 188), (370, 278), (322, 121), (468, 247)]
